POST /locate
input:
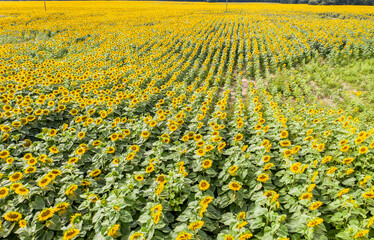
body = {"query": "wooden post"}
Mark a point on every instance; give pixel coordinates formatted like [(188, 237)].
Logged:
[(226, 5), (45, 7)]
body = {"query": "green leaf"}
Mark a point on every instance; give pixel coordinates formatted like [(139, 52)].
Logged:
[(38, 203), (54, 223), (256, 223), (125, 216), (349, 182), (337, 217)]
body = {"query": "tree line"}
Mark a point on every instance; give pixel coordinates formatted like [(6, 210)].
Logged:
[(311, 2)]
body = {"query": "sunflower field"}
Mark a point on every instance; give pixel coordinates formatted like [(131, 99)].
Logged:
[(154, 120)]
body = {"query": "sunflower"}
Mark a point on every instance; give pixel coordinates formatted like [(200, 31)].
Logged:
[(326, 159), (257, 127), (206, 200), (345, 148), (81, 135), (32, 161), (285, 143), (262, 178), (53, 149), (208, 147), (207, 163), (239, 137), (315, 222), (268, 166), (311, 187), (359, 140), (12, 216), (85, 182), (114, 137), (130, 156), (363, 150), (296, 149), (244, 148), (203, 185), (221, 146), (245, 236), (161, 179), (61, 207), (308, 138), (96, 143), (22, 191), (139, 178), (229, 237), (284, 134), (95, 173), (287, 153), (342, 192), (173, 127), (371, 221), (265, 143), (27, 143), (111, 150), (310, 131), (349, 171), (115, 161), (135, 148), (69, 234), (14, 186), (149, 169), (233, 169), (80, 151), (266, 128), (4, 192), (15, 177), (182, 236), (78, 216), (196, 225), (157, 217), (200, 152), (306, 196), (45, 214), (321, 147), (343, 142), (145, 134), (241, 215), (113, 231), (73, 160), (4, 154), (361, 233), (315, 205), (266, 158), (295, 168), (157, 208), (368, 195), (44, 182), (347, 160), (235, 186), (241, 225), (71, 190), (22, 223), (200, 143)]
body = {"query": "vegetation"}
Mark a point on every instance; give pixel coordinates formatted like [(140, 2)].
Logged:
[(136, 120)]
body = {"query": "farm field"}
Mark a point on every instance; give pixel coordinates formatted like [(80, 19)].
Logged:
[(163, 120)]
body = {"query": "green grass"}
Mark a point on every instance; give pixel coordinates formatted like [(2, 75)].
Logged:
[(335, 85)]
